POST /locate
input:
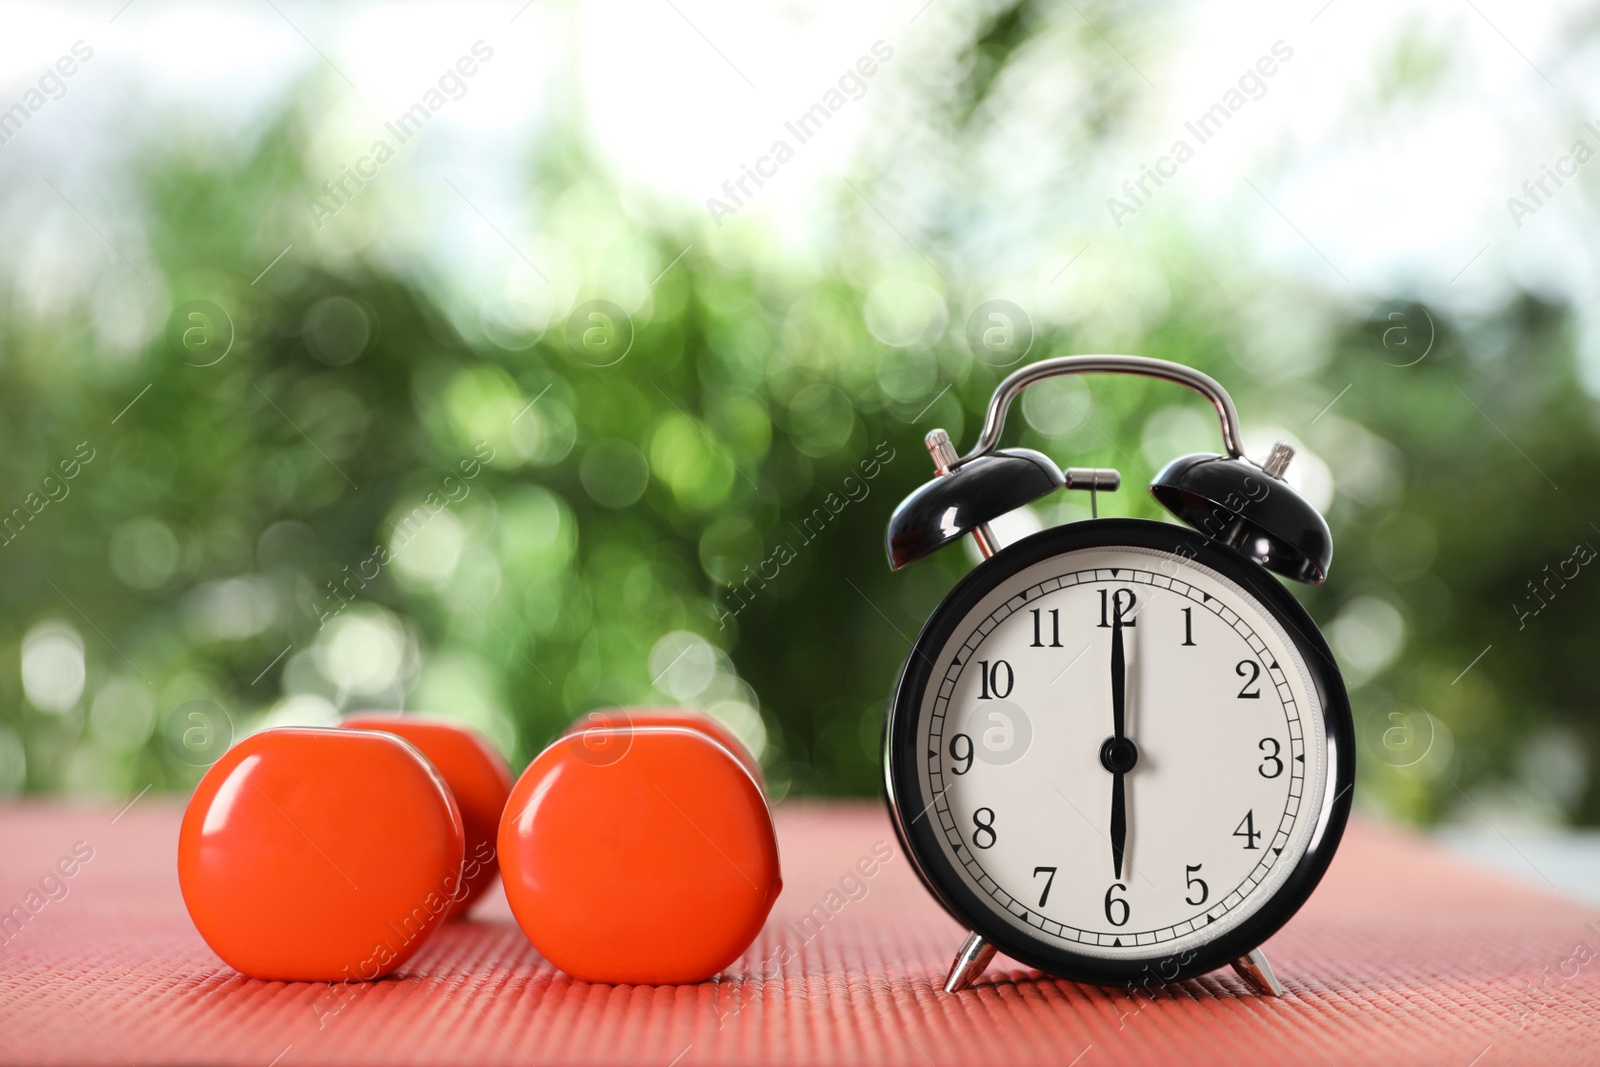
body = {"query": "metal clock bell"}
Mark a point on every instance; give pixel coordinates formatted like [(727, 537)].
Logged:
[(1119, 751)]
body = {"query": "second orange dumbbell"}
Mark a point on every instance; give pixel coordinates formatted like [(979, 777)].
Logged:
[(479, 780), (639, 849)]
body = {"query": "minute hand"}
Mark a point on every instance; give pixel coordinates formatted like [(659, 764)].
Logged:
[(1119, 700), (1119, 682)]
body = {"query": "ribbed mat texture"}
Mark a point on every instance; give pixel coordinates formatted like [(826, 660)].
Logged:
[(1403, 956)]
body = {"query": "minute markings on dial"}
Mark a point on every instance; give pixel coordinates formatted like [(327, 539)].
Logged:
[(1220, 903)]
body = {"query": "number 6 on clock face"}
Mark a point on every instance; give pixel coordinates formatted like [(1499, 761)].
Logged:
[(1178, 765)]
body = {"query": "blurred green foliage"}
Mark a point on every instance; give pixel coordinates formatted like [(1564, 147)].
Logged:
[(248, 533)]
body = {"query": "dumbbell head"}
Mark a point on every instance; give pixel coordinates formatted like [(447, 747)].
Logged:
[(319, 855), (655, 866), (478, 778), (587, 727)]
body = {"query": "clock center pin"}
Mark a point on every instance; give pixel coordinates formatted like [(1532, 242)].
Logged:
[(1119, 755)]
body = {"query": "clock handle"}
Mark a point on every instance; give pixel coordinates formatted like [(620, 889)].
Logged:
[(1020, 379), (969, 963)]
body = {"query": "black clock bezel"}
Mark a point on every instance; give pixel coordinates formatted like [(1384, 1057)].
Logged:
[(902, 780)]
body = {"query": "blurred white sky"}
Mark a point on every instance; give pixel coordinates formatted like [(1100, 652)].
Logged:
[(1331, 175)]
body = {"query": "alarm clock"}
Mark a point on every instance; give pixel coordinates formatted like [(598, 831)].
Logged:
[(1119, 751)]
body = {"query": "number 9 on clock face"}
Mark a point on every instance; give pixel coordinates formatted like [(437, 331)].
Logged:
[(1118, 750)]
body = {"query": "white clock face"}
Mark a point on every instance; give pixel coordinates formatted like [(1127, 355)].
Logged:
[(1221, 767)]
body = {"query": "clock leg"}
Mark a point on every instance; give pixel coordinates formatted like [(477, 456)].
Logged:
[(1257, 972), (974, 956)]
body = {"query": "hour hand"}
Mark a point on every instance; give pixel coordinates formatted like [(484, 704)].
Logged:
[(1119, 822)]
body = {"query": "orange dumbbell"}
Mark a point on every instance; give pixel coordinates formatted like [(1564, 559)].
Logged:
[(319, 855), (688, 718), (479, 780), (638, 849)]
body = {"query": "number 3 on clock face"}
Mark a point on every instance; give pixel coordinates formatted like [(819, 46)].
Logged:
[(1118, 750)]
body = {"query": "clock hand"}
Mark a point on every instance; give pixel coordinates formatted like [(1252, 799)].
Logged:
[(1119, 701), (1119, 822), (1119, 681), (1118, 754)]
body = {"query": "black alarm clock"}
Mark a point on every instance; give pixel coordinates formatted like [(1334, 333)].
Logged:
[(1119, 751)]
